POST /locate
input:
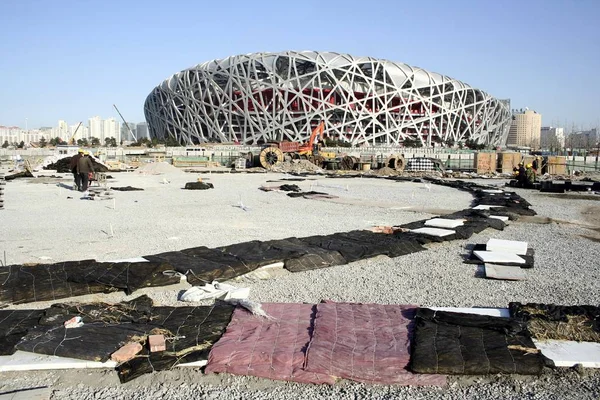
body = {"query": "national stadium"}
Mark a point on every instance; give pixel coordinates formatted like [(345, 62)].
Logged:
[(257, 98)]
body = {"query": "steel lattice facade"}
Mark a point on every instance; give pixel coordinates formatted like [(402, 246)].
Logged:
[(261, 97)]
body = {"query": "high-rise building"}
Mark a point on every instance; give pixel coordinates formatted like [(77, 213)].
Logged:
[(63, 130), (111, 130), (142, 130), (552, 138), (96, 128), (525, 129)]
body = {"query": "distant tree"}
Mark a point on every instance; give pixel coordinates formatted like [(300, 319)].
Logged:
[(5, 144), (95, 141), (409, 142), (449, 142), (83, 142), (113, 142), (172, 142), (55, 141), (21, 145), (43, 142)]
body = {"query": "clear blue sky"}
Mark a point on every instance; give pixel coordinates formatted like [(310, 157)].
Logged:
[(72, 59)]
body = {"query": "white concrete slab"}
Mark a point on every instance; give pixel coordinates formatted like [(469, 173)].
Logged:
[(502, 272), (129, 260), (567, 353), (484, 207), (507, 246), (445, 223), (434, 232), (42, 393), (492, 191), (25, 361), (195, 364), (496, 257), (492, 312), (500, 217)]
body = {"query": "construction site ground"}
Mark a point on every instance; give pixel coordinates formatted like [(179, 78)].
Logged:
[(44, 221)]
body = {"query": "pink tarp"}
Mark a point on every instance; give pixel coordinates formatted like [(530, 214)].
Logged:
[(365, 342), (268, 348)]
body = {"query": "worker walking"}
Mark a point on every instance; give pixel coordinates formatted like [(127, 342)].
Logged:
[(73, 167), (84, 167)]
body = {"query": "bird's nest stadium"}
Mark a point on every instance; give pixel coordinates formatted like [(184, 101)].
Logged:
[(263, 97)]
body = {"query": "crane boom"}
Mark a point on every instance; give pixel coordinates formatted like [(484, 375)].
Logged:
[(126, 124)]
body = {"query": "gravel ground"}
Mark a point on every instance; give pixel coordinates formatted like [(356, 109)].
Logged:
[(43, 225)]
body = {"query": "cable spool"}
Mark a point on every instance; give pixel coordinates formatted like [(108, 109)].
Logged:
[(270, 156), (349, 163), (396, 161)]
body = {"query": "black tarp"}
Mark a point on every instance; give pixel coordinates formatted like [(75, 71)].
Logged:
[(454, 343), (14, 324), (126, 189), (198, 186), (203, 265), (550, 321), (189, 331), (358, 245), (63, 165), (22, 284)]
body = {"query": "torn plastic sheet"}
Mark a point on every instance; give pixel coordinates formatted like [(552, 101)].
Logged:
[(215, 290)]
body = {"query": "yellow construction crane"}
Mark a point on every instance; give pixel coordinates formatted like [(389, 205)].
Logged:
[(72, 139)]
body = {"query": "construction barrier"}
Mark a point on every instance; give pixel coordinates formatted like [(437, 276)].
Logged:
[(557, 165), (485, 162)]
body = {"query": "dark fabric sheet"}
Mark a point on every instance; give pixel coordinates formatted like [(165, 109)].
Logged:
[(203, 265), (21, 284), (94, 341), (190, 332), (198, 186), (126, 189), (14, 324), (454, 343), (358, 245), (549, 321)]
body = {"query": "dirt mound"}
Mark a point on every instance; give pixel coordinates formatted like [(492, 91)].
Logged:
[(297, 166), (157, 168), (386, 171)]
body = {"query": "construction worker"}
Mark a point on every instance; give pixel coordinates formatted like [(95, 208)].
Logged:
[(84, 167), (530, 176), (73, 167), (521, 178)]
